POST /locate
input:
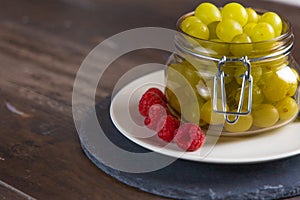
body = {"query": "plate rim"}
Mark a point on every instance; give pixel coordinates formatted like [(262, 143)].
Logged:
[(186, 155)]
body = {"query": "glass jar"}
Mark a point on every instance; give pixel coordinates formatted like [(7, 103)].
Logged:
[(244, 87)]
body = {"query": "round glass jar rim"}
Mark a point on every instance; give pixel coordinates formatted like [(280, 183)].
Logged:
[(276, 47), (286, 34)]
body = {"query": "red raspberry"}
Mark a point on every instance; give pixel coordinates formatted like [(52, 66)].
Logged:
[(147, 100), (169, 126), (189, 137), (158, 92), (155, 114)]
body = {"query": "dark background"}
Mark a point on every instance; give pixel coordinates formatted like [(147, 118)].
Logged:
[(42, 44)]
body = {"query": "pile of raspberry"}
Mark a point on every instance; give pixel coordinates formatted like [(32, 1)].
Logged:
[(153, 106)]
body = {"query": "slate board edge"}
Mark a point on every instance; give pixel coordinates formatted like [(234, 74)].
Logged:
[(178, 193), (262, 193)]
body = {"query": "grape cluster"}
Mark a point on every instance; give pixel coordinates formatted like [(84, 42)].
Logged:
[(234, 24), (189, 90), (235, 31)]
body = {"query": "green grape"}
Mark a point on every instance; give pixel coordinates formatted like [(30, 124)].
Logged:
[(204, 89), (273, 19), (209, 116), (279, 83), (212, 30), (236, 12), (207, 13), (220, 48), (183, 95), (172, 100), (248, 28), (293, 84), (242, 49), (191, 111), (229, 71), (174, 75), (256, 73), (231, 90), (257, 95), (232, 86), (174, 69), (198, 30), (268, 68), (244, 123), (178, 87), (292, 89), (227, 29), (187, 22), (264, 115), (296, 74), (258, 17), (287, 108), (190, 73), (262, 31), (252, 15), (266, 73)]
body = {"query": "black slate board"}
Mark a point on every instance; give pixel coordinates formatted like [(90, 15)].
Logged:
[(194, 180)]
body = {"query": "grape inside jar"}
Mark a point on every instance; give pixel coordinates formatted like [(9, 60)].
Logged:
[(233, 67)]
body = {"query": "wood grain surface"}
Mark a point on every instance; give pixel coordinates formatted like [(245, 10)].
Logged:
[(42, 44)]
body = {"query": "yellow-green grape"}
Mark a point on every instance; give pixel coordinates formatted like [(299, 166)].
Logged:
[(257, 95), (227, 29), (198, 30), (232, 86), (264, 115), (204, 89), (273, 19), (241, 46), (256, 73), (172, 100), (278, 85), (262, 31), (244, 123), (212, 30), (269, 67), (174, 75), (221, 48), (180, 96), (209, 116), (207, 13), (231, 90), (252, 15), (174, 70), (236, 12), (190, 73), (229, 72), (266, 73), (258, 16), (191, 111), (292, 89), (187, 22), (293, 84), (248, 28), (287, 108)]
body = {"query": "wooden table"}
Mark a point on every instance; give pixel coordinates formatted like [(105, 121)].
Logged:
[(42, 44)]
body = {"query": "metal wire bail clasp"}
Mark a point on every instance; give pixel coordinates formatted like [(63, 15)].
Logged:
[(246, 81)]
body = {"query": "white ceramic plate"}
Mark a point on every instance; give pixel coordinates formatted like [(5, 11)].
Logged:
[(271, 145)]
